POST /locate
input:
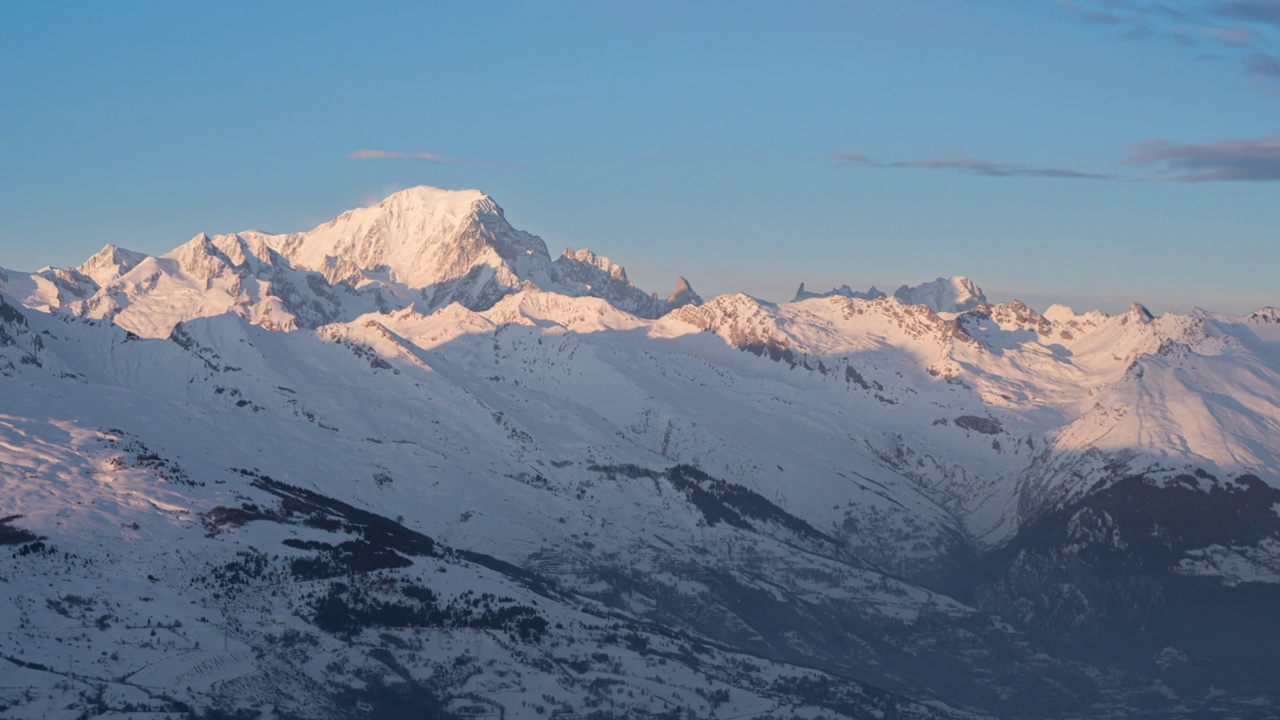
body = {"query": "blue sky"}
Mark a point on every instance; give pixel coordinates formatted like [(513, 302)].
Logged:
[(1093, 152)]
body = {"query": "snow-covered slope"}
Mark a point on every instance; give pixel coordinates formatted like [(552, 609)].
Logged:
[(207, 469), (664, 499)]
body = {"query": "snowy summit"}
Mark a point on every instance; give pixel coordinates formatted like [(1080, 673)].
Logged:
[(407, 459)]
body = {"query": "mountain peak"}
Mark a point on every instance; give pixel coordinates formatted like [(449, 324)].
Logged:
[(421, 238), (614, 270), (110, 263), (583, 272), (425, 197), (1266, 314), (954, 294), (1139, 313), (843, 291), (682, 295)]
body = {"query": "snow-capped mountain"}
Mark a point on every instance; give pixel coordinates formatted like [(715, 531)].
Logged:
[(949, 295), (421, 247), (109, 264), (447, 245), (406, 459), (955, 294)]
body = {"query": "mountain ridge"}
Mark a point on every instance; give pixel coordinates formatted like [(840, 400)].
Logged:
[(840, 505)]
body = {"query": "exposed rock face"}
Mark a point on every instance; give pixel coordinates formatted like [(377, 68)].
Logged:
[(842, 291), (956, 294), (582, 272), (682, 295)]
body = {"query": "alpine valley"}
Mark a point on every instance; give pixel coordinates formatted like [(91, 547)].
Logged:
[(407, 464)]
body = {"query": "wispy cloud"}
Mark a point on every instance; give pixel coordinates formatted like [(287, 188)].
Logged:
[(1237, 36), (1241, 159), (1259, 11), (1090, 15), (423, 156), (1262, 65), (1233, 160), (1240, 28), (971, 165), (374, 154)]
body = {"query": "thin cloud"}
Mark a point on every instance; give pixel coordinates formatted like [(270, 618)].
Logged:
[(1259, 11), (1240, 160), (1238, 36), (1233, 160), (1158, 10), (1092, 16), (848, 158), (970, 165), (1239, 28), (374, 154), (423, 156), (1262, 65)]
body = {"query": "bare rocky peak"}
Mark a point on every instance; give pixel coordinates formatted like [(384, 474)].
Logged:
[(682, 295), (600, 262)]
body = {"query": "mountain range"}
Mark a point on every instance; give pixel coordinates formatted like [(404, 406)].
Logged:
[(407, 460)]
